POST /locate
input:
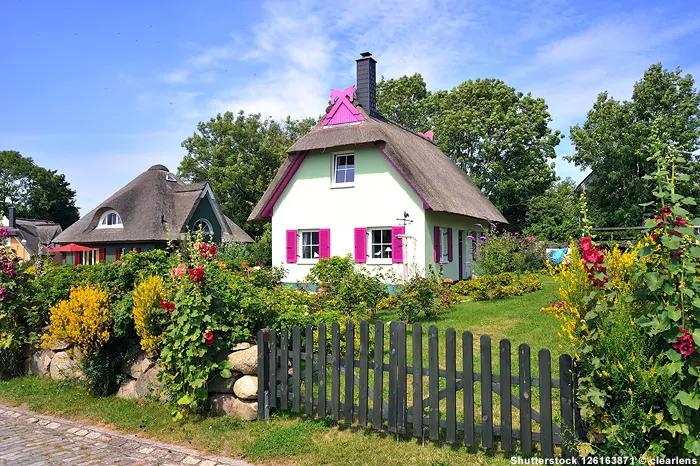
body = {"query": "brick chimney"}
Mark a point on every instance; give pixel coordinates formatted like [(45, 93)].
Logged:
[(367, 83)]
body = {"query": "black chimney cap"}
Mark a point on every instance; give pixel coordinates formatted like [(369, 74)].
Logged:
[(366, 54)]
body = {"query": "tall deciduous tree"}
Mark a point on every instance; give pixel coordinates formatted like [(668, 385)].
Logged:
[(34, 191), (616, 142), (500, 137), (555, 214), (239, 155)]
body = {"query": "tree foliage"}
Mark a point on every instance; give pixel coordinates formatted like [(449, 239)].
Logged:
[(554, 215), (34, 191), (616, 143), (499, 136), (239, 155)]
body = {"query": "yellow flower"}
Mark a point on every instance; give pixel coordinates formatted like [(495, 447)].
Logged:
[(609, 388), (631, 378), (629, 390), (619, 365), (606, 374)]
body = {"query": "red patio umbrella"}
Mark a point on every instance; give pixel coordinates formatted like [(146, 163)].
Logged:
[(72, 247)]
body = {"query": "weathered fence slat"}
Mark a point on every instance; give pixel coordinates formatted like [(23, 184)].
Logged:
[(263, 364), (393, 389), (272, 399), (335, 371), (296, 369), (402, 409), (468, 390), (417, 380), (546, 434), (349, 371), (322, 411), (309, 371), (284, 366), (377, 422), (434, 383), (506, 409), (486, 393), (364, 373), (450, 385), (525, 389), (566, 396)]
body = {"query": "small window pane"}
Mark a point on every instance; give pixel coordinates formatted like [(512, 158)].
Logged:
[(314, 252), (386, 236), (376, 236), (350, 175), (340, 176)]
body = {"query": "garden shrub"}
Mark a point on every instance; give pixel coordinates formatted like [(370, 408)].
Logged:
[(423, 294), (104, 369), (47, 284), (12, 303), (530, 282), (632, 321), (388, 303), (509, 252), (149, 312), (84, 320), (343, 287)]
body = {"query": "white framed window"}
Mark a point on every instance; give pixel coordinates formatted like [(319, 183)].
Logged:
[(380, 245), (205, 225), (309, 245), (444, 245), (344, 169), (110, 219)]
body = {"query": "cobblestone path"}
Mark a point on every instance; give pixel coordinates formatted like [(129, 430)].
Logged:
[(27, 438)]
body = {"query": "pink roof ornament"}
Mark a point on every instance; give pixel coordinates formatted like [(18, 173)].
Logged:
[(343, 111), (428, 134)]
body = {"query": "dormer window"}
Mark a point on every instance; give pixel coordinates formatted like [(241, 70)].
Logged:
[(205, 225), (110, 219), (170, 177)]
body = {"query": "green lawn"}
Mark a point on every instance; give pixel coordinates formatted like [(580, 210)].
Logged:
[(294, 440)]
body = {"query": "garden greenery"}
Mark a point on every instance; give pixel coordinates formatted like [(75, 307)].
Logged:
[(631, 319)]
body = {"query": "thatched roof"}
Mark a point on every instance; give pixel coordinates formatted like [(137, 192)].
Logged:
[(442, 185), (148, 206), (33, 234)]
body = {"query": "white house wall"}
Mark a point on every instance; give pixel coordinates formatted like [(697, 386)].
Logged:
[(378, 198)]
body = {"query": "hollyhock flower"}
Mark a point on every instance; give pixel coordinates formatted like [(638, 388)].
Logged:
[(179, 271), (655, 237), (212, 250), (666, 210), (679, 222), (684, 343), (3, 294), (208, 338), (586, 244), (479, 225), (196, 274), (674, 233), (167, 305), (4, 232), (677, 253), (591, 256)]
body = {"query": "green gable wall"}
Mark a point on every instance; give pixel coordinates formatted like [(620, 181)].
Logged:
[(205, 210), (111, 250)]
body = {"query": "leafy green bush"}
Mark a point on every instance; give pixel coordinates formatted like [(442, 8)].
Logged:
[(423, 294), (510, 253), (343, 287), (530, 282), (487, 287)]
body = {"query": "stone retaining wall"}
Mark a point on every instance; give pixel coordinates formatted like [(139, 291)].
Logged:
[(237, 395)]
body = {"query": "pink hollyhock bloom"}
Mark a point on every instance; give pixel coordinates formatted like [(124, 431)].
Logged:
[(586, 244), (684, 343), (591, 255), (209, 338), (179, 271)]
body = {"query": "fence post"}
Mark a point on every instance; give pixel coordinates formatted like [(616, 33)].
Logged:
[(349, 371), (296, 369), (450, 385), (566, 403), (546, 434), (273, 370), (284, 370), (402, 408), (506, 409), (468, 382), (417, 380), (486, 393), (309, 371), (525, 387), (335, 371), (322, 370), (434, 383), (378, 400), (263, 373), (393, 365), (364, 372)]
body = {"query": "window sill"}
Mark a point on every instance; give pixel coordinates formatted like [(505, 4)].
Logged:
[(342, 185), (386, 262), (307, 262)]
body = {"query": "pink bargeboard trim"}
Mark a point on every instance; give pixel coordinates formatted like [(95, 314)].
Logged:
[(335, 117), (386, 156), (267, 211)]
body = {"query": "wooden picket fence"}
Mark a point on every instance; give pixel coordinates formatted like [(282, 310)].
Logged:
[(292, 375)]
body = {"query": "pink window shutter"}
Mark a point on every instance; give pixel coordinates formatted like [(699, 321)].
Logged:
[(291, 246), (360, 245), (449, 245), (436, 244), (324, 243), (397, 244)]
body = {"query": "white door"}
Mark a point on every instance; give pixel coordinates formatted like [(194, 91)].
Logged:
[(467, 257)]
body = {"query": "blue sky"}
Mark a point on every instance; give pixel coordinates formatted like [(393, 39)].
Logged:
[(102, 90)]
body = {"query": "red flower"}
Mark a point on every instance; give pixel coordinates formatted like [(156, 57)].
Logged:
[(212, 250), (591, 256), (666, 210), (677, 253), (684, 343), (679, 222), (196, 274), (655, 237), (167, 305), (208, 338), (586, 244)]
